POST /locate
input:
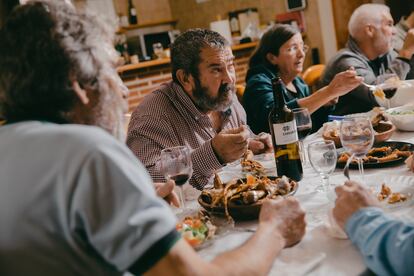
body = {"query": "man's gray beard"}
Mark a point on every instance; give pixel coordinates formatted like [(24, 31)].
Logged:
[(206, 103)]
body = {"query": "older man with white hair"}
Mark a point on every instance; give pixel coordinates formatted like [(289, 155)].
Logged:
[(369, 51)]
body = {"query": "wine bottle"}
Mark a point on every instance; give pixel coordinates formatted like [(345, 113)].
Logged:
[(132, 13), (282, 126)]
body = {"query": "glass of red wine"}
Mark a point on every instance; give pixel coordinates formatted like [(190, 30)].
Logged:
[(388, 83), (304, 127), (176, 164)]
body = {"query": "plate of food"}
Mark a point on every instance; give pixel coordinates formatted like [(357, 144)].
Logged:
[(391, 198), (402, 117), (383, 154), (196, 228), (242, 198), (393, 192), (383, 128)]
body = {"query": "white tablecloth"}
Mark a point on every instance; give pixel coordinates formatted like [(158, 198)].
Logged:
[(319, 253)]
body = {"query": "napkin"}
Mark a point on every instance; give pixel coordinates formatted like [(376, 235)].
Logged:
[(297, 262), (333, 228)]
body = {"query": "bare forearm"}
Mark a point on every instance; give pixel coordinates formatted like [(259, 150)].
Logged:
[(316, 100), (255, 257)]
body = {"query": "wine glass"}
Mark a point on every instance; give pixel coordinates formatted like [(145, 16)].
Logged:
[(304, 126), (357, 137), (322, 156), (388, 83), (176, 164)]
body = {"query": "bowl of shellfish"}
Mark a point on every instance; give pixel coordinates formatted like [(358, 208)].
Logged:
[(242, 198)]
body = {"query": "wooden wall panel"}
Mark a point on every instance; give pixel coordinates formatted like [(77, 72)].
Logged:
[(342, 10), (148, 10)]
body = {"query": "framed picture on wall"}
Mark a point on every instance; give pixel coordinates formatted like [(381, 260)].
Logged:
[(295, 5)]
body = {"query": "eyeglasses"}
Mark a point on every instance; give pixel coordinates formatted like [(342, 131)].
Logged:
[(295, 48)]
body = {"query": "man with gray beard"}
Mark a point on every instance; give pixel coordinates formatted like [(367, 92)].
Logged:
[(198, 109)]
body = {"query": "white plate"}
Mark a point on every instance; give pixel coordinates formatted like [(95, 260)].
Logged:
[(398, 184), (402, 122)]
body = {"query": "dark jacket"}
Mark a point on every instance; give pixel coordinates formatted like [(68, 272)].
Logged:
[(258, 98)]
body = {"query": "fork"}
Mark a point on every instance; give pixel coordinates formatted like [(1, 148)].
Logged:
[(370, 86), (346, 168)]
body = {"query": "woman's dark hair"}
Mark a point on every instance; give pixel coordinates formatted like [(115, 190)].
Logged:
[(271, 42)]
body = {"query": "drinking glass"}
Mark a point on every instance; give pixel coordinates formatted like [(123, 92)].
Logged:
[(175, 164), (304, 126), (357, 137), (388, 83), (158, 49), (322, 156)]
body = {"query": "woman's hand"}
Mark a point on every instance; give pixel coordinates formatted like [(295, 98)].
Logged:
[(344, 82)]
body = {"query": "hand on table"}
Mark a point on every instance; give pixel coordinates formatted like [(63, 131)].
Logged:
[(166, 191), (230, 145), (261, 144), (288, 217), (350, 198)]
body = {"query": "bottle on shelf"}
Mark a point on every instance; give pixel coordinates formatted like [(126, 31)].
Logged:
[(284, 135), (234, 23), (132, 13)]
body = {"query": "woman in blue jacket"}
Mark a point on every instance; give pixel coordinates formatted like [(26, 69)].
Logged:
[(282, 50)]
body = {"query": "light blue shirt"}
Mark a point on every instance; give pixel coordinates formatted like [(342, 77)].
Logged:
[(387, 244)]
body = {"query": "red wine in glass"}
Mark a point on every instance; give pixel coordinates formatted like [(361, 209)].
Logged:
[(180, 179), (389, 92), (303, 131)]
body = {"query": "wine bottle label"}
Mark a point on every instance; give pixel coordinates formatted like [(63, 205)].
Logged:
[(292, 151), (133, 11), (285, 133)]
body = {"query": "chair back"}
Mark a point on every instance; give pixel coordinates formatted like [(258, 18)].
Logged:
[(239, 92), (313, 74)]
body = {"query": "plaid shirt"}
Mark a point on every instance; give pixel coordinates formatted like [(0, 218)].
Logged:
[(166, 118)]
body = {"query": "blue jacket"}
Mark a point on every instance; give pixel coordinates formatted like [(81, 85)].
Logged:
[(386, 243), (258, 98)]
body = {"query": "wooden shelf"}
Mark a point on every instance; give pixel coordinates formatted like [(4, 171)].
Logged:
[(244, 46), (162, 61), (143, 64), (146, 25)]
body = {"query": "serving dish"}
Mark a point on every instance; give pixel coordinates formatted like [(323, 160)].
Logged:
[(242, 198), (402, 117), (405, 148)]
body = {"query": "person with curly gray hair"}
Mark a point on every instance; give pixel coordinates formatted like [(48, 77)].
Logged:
[(73, 199)]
